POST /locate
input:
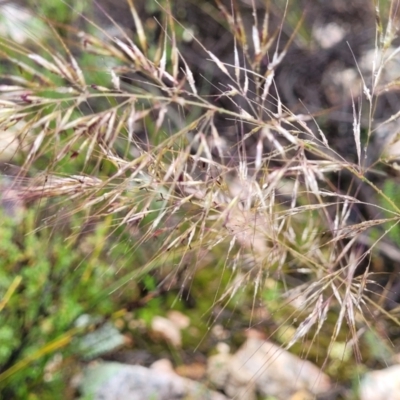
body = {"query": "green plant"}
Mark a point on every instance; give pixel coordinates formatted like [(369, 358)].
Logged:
[(44, 287)]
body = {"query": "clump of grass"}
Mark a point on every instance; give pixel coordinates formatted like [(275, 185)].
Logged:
[(140, 143)]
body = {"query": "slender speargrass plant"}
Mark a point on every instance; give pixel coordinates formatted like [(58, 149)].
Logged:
[(120, 127)]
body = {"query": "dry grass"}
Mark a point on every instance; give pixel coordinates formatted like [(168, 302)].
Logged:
[(275, 213)]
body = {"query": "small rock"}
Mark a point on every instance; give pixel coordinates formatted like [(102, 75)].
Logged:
[(381, 385), (263, 367), (114, 381), (168, 330), (181, 320)]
